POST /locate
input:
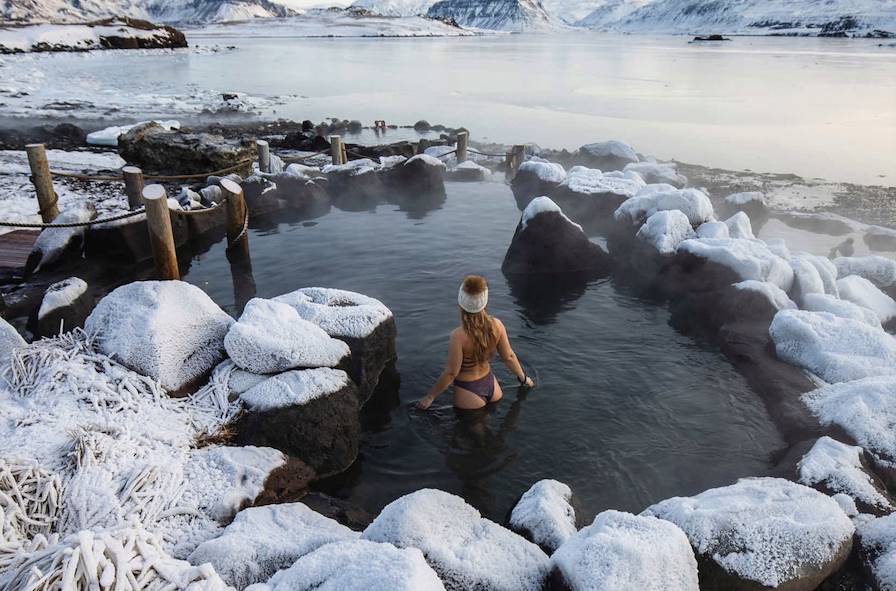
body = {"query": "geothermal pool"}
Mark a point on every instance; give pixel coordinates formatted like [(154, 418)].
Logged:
[(627, 410)]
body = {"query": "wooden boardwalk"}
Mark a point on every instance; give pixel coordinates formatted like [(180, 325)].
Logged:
[(15, 247)]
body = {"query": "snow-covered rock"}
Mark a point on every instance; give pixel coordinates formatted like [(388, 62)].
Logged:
[(774, 294), (357, 565), (108, 136), (624, 551), (713, 229), (745, 199), (877, 539), (609, 155), (311, 414), (468, 172), (64, 307), (693, 203), (170, 331), (880, 238), (10, 339), (501, 15), (836, 467), (658, 172), (834, 348), (862, 292), (590, 195), (466, 550), (768, 531), (739, 226), (822, 302), (865, 409), (263, 540), (271, 337), (546, 241), (881, 271), (362, 322), (806, 278), (665, 230), (118, 33), (534, 178), (747, 259), (544, 515), (54, 243)]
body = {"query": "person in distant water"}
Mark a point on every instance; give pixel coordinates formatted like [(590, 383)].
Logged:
[(845, 249), (470, 348)]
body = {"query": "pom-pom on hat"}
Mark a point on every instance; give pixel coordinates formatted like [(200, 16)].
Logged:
[(472, 296)]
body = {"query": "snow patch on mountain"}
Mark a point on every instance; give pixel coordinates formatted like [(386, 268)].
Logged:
[(500, 15), (168, 11), (395, 7)]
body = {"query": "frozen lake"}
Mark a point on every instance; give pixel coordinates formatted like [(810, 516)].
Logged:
[(815, 107)]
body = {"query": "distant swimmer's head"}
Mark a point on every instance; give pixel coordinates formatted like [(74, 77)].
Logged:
[(472, 297)]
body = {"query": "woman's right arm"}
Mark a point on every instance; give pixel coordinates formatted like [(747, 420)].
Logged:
[(509, 357)]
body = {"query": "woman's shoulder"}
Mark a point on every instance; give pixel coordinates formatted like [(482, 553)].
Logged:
[(496, 322)]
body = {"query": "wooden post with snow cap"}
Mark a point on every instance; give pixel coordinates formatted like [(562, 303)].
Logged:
[(133, 186), (264, 155), (43, 182), (516, 157), (336, 153), (463, 139), (237, 217), (161, 238)]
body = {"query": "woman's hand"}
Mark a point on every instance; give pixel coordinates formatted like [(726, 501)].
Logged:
[(424, 403), (528, 383)]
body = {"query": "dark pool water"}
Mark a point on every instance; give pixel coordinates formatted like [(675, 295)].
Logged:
[(627, 411)]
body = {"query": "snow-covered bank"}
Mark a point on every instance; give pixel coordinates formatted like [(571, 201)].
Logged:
[(110, 34)]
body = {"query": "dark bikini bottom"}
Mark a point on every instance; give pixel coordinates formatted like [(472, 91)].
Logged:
[(484, 387)]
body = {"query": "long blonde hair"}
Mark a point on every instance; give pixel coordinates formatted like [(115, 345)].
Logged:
[(479, 326)]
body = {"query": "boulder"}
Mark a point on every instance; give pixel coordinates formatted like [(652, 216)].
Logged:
[(310, 414), (834, 348), (834, 468), (621, 551), (270, 337), (535, 178), (154, 148), (752, 203), (544, 515), (261, 195), (752, 300), (64, 307), (363, 323), (128, 239), (263, 540), (664, 231), (345, 512), (355, 186), (357, 565), (739, 226), (813, 274), (654, 198), (862, 292), (658, 172), (744, 259), (300, 192), (865, 410), (762, 533), (467, 551), (819, 222), (881, 271), (170, 331), (609, 155), (591, 197), (822, 302), (54, 244), (468, 172), (417, 184), (546, 241), (10, 339), (880, 238), (713, 229), (877, 548)]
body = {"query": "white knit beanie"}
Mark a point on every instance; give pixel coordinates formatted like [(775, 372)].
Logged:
[(472, 303)]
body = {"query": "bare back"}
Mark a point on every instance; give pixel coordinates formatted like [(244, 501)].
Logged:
[(470, 369)]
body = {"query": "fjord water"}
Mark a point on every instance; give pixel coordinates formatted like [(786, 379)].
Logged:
[(814, 107), (627, 410)]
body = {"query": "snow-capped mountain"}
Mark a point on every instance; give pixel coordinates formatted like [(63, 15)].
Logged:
[(395, 7), (751, 16), (607, 12), (169, 11), (501, 15)]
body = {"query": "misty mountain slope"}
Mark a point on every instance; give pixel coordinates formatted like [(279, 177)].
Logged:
[(501, 15), (171, 11), (396, 7), (607, 12), (757, 16)]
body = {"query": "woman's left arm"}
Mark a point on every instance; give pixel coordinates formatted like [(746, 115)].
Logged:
[(452, 367)]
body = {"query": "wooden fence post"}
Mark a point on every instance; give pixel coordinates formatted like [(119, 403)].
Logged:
[(264, 156), (516, 157), (336, 152), (133, 186), (161, 238), (43, 182), (235, 209), (463, 139)]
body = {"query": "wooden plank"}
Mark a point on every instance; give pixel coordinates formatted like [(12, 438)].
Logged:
[(15, 247)]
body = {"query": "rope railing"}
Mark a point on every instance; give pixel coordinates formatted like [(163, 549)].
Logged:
[(113, 218), (153, 177), (475, 151)]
